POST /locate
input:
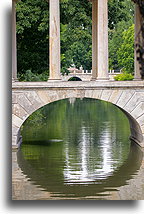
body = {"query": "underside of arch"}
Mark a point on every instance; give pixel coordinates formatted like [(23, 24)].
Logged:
[(30, 101)]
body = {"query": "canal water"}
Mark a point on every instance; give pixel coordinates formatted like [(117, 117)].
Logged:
[(76, 149)]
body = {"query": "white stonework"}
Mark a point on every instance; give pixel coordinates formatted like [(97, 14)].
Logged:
[(14, 45), (137, 75), (54, 40), (129, 96)]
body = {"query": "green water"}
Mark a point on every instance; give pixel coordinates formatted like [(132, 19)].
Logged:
[(78, 148)]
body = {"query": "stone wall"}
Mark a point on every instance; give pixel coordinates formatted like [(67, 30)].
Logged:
[(128, 96)]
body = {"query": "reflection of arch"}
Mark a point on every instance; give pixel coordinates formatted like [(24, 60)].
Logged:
[(30, 100), (74, 78), (43, 178)]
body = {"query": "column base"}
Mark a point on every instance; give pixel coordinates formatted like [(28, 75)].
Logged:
[(103, 78), (14, 80), (137, 79), (93, 79)]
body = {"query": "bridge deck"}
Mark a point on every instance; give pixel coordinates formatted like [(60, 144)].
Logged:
[(79, 84)]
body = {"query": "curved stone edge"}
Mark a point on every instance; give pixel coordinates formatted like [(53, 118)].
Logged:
[(27, 101)]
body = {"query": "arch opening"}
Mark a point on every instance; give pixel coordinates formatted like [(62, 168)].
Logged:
[(74, 79), (136, 129), (136, 133)]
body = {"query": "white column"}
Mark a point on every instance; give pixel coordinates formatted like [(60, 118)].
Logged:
[(102, 40), (94, 38), (54, 40), (14, 45), (137, 75)]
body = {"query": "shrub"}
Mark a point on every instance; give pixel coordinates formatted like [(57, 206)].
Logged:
[(124, 77), (33, 77)]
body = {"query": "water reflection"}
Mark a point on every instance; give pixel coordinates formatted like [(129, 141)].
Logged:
[(48, 175), (89, 167), (93, 154)]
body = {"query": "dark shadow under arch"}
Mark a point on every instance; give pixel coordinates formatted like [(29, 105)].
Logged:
[(74, 79)]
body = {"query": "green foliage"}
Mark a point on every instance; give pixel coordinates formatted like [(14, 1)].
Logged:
[(121, 17), (126, 51), (76, 30), (119, 10), (32, 36), (29, 76), (115, 42), (76, 33), (124, 77)]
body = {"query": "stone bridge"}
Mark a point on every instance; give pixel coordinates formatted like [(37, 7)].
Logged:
[(27, 97), (128, 96)]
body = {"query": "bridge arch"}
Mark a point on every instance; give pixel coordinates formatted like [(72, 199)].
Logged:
[(75, 78), (129, 101)]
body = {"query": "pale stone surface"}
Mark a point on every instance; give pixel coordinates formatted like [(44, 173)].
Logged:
[(14, 98), (94, 38), (137, 75), (25, 103), (102, 40), (135, 85), (124, 98), (14, 142), (135, 100), (138, 111), (95, 94), (115, 96), (127, 95), (17, 121), (43, 96), (19, 111), (142, 128), (34, 99), (14, 48), (54, 40), (141, 120), (106, 94), (15, 130), (83, 77)]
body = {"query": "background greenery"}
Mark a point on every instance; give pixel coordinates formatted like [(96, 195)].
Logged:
[(76, 42)]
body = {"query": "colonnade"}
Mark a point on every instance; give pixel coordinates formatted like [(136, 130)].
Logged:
[(99, 40)]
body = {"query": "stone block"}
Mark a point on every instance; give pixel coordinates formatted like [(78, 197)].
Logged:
[(14, 98), (14, 142), (138, 111), (124, 98), (142, 128), (134, 101), (25, 103), (115, 95), (141, 120), (15, 130), (19, 111), (43, 96), (34, 99), (16, 121), (106, 95)]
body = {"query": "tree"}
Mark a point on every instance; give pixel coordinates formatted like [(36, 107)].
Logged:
[(32, 36), (126, 51), (76, 30), (115, 42)]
